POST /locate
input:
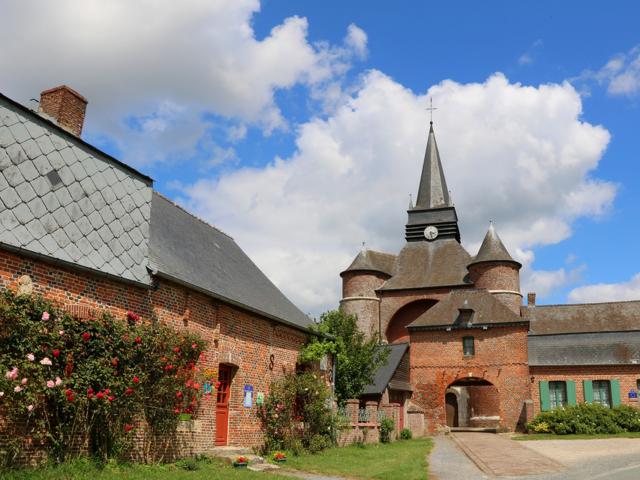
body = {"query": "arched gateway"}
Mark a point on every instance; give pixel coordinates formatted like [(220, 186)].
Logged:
[(472, 402)]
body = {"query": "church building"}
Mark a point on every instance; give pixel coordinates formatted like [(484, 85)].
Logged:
[(472, 355)]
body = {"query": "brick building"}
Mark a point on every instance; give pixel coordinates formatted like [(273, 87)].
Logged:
[(89, 232), (476, 356)]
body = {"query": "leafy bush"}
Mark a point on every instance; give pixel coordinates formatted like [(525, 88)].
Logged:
[(586, 419), (295, 415), (406, 434), (386, 427), (65, 383)]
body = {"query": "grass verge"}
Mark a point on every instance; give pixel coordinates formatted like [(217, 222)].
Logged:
[(551, 436), (405, 459), (208, 469)]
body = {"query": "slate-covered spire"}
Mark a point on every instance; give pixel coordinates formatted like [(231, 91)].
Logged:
[(432, 191), (493, 250), (433, 217)]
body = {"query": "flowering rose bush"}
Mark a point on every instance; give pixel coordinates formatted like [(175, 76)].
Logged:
[(296, 414), (64, 382)]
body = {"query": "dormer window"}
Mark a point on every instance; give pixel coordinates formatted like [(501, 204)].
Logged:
[(465, 318)]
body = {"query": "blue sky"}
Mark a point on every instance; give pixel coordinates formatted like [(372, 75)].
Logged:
[(299, 127)]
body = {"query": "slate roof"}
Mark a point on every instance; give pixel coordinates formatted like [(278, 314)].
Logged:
[(606, 348), (585, 318), (385, 372), (487, 310), (188, 250), (63, 199), (493, 250), (432, 191), (430, 264), (370, 260)]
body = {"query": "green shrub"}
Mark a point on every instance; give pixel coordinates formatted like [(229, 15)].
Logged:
[(386, 428), (406, 434), (66, 381), (295, 415), (189, 464), (586, 419)]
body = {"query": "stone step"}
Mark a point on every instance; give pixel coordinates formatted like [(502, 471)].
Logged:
[(474, 429)]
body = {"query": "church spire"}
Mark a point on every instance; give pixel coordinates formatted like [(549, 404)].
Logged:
[(432, 191), (433, 217)]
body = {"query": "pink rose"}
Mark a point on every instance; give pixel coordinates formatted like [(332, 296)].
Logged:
[(45, 361), (18, 389), (51, 383), (58, 381), (45, 316), (30, 407), (1, 394), (61, 332), (12, 374), (23, 381), (31, 357)]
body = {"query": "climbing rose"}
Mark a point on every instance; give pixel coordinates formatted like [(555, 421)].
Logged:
[(45, 316), (89, 390), (176, 411), (128, 427), (111, 399), (1, 394), (136, 380), (138, 340), (23, 381), (107, 391), (86, 336), (56, 353), (99, 395), (194, 345), (128, 391), (18, 389), (176, 349), (30, 407), (179, 394), (51, 384), (45, 361), (68, 392), (31, 357), (58, 381), (61, 332), (12, 374)]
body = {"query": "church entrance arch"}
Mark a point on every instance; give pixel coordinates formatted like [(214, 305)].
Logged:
[(397, 330), (477, 403)]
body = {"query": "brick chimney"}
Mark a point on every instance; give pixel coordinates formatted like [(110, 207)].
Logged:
[(531, 299), (66, 106)]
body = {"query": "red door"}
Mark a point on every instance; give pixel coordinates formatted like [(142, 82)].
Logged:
[(222, 405)]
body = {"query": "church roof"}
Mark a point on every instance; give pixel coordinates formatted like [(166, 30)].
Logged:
[(493, 250), (188, 250), (432, 191), (430, 264), (466, 308), (370, 260), (584, 318), (604, 348)]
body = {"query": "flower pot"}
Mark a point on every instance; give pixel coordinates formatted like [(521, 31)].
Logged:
[(240, 464), (184, 417), (280, 460)]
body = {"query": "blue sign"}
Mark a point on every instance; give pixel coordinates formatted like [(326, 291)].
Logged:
[(248, 396), (633, 393), (206, 388)]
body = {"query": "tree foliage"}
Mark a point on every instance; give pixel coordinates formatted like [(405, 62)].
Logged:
[(356, 358)]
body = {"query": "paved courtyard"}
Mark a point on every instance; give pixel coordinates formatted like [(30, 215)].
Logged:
[(462, 456)]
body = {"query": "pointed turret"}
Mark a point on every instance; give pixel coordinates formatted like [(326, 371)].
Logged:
[(495, 270), (432, 191), (433, 217)]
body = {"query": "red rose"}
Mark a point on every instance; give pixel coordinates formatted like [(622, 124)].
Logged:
[(70, 398), (114, 362), (196, 386), (111, 399), (138, 340), (194, 345), (128, 391), (56, 353), (68, 392), (99, 395), (176, 411), (90, 390), (86, 336), (176, 349), (136, 380), (179, 394), (89, 395), (107, 391), (128, 427)]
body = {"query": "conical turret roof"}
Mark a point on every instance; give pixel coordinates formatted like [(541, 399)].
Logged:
[(432, 191), (493, 250)]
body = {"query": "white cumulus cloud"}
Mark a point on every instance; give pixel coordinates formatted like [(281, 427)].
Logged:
[(517, 154), (607, 292)]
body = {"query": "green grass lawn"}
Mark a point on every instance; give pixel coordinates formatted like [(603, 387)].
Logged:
[(83, 469), (405, 459), (551, 436)]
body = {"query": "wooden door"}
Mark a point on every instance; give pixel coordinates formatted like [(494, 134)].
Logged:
[(451, 409), (222, 405)]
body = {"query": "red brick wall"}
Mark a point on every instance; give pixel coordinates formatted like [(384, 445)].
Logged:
[(397, 330), (499, 276), (628, 375), (367, 309), (500, 358), (484, 401), (67, 106), (235, 336)]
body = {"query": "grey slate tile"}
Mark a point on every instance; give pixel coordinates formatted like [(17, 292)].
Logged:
[(41, 186), (3, 183), (5, 161), (63, 196), (76, 191), (84, 225), (49, 245), (73, 232), (35, 130), (62, 217), (107, 215), (88, 186), (19, 132), (75, 213), (13, 176), (45, 144), (78, 171), (26, 192), (37, 207), (9, 118), (95, 219), (66, 175), (105, 234), (55, 159), (74, 252), (8, 220), (6, 138), (16, 154), (97, 200), (41, 162), (50, 201), (31, 148), (23, 214), (36, 228), (28, 171), (49, 223), (61, 238), (23, 235), (10, 198), (108, 195)]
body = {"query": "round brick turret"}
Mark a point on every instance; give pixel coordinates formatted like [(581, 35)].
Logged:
[(360, 280), (494, 270)]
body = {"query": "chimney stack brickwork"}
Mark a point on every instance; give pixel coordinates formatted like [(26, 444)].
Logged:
[(66, 106)]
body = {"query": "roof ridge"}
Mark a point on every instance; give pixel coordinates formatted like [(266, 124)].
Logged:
[(580, 304), (164, 197)]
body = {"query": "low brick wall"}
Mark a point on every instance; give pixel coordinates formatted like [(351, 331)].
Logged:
[(363, 423)]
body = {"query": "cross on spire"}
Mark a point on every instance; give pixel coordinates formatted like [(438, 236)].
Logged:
[(431, 108)]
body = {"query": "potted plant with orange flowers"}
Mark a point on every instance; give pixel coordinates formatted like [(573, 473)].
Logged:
[(279, 457), (241, 461)]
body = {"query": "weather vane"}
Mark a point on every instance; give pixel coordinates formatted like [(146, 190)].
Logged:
[(431, 108)]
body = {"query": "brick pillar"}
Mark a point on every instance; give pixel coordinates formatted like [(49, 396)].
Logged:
[(352, 408), (372, 410)]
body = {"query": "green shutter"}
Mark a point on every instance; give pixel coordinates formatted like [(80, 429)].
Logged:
[(571, 392), (545, 401), (587, 386), (615, 393)]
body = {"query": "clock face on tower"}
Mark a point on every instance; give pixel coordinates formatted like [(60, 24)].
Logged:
[(431, 232)]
